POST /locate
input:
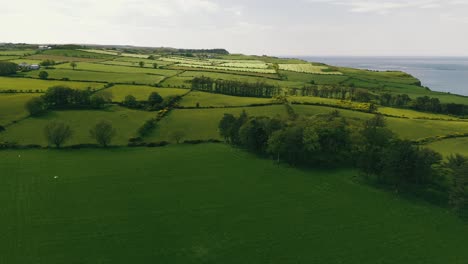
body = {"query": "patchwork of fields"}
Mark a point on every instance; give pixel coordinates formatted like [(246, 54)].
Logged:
[(207, 203)]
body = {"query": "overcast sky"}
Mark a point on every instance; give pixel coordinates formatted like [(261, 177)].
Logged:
[(294, 27)]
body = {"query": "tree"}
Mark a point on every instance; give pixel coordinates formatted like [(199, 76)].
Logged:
[(103, 133), (73, 65), (151, 57), (155, 65), (130, 101), (177, 136), (35, 106), (155, 99), (226, 125), (47, 63), (57, 133), (7, 68), (459, 189), (43, 75), (142, 64)]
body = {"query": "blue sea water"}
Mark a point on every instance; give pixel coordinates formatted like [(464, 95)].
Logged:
[(445, 74)]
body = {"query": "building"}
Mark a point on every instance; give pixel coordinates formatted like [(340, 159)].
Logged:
[(34, 67)]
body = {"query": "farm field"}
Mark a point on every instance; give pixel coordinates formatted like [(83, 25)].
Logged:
[(219, 100), (308, 68), (12, 107), (412, 129), (202, 124), (222, 206), (125, 121), (141, 93), (27, 84), (111, 77), (119, 69), (450, 146)]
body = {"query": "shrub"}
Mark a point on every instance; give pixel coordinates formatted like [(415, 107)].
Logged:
[(36, 106)]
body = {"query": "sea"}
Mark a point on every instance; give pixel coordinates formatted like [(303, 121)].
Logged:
[(444, 74)]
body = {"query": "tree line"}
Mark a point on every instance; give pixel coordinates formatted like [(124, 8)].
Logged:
[(330, 140), (235, 88), (63, 97), (8, 68), (57, 133)]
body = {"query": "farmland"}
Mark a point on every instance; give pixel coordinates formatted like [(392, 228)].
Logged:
[(307, 68), (233, 208), (162, 191)]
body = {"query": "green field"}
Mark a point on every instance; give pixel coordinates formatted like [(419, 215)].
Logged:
[(412, 129), (219, 100), (451, 146), (86, 66), (27, 84), (111, 77), (202, 124), (12, 107), (125, 121), (140, 92), (208, 204)]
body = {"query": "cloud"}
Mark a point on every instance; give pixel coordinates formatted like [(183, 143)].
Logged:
[(386, 6)]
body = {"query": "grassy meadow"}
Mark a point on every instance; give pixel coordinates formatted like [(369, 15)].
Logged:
[(28, 84), (202, 124), (221, 206), (219, 100), (12, 107), (125, 121)]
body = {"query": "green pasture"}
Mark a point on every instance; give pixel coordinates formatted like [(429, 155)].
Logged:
[(219, 100), (203, 123), (242, 78), (110, 77), (125, 121), (7, 57), (16, 52), (208, 204), (177, 81), (12, 107), (450, 146), (118, 69), (412, 129), (26, 84), (141, 93)]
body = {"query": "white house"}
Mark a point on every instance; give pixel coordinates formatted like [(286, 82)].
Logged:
[(34, 67)]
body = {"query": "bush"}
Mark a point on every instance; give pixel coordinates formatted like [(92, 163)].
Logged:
[(36, 106), (43, 75), (7, 68)]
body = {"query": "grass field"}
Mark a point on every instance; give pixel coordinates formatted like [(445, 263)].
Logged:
[(12, 107), (26, 84), (203, 123), (16, 52), (307, 68), (219, 100), (451, 146), (208, 204), (111, 77), (405, 128), (140, 92), (125, 121), (119, 69)]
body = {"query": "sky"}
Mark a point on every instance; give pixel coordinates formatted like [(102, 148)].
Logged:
[(272, 27)]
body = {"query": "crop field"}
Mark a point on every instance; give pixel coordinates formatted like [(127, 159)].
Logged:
[(28, 61), (140, 92), (148, 63), (62, 59), (450, 146), (222, 206), (28, 84), (260, 70), (76, 54), (119, 69), (203, 123), (307, 68), (219, 100), (125, 121), (80, 75), (316, 78), (12, 107)]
